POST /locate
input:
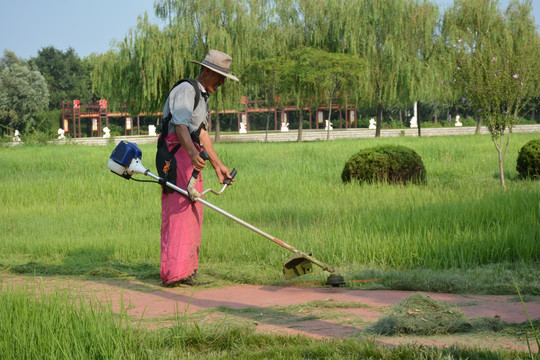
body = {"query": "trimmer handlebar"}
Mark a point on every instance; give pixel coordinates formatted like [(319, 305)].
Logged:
[(195, 174), (225, 184), (233, 174), (205, 157)]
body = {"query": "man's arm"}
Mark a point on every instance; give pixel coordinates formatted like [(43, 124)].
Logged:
[(182, 132), (222, 171)]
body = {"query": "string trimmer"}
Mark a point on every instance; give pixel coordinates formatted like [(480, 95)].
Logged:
[(125, 161)]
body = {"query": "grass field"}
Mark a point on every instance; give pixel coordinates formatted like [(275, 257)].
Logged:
[(64, 212)]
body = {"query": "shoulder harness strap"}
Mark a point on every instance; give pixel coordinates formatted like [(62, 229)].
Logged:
[(195, 84)]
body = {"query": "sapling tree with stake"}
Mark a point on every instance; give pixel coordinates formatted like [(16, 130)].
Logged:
[(264, 77), (496, 63), (321, 76)]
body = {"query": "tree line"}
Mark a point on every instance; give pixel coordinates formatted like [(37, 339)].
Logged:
[(366, 52), (31, 91), (380, 54)]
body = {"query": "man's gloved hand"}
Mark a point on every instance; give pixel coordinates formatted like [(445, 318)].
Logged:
[(193, 193)]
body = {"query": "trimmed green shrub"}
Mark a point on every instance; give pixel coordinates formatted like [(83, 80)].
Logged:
[(394, 164), (528, 162)]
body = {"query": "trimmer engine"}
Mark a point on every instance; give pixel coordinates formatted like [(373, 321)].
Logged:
[(125, 160)]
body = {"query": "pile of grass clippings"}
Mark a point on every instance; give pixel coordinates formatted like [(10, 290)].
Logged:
[(418, 314)]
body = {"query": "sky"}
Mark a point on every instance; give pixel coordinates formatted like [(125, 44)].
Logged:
[(88, 26)]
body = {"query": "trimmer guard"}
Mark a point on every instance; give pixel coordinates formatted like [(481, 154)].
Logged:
[(298, 265)]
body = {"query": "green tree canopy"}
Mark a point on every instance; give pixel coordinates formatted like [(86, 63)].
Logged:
[(9, 59), (396, 39), (67, 76), (23, 93)]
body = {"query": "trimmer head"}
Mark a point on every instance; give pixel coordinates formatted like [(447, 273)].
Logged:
[(298, 265), (335, 280), (301, 264)]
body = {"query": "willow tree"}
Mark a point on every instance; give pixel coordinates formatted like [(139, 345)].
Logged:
[(496, 63), (426, 70), (246, 29), (143, 68), (467, 27), (324, 23), (395, 38)]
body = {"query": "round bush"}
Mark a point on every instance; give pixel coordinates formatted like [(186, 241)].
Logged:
[(392, 164), (528, 162)]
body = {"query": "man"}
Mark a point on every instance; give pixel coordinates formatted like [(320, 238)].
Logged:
[(182, 218)]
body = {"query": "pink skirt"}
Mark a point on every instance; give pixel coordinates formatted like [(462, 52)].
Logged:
[(181, 225)]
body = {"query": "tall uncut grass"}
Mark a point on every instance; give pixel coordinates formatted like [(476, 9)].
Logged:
[(64, 212)]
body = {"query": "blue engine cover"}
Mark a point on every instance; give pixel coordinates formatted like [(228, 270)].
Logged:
[(126, 151)]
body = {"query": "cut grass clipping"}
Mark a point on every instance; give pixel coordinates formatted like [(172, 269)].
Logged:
[(419, 314)]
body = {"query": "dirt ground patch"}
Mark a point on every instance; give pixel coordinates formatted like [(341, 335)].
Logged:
[(312, 311)]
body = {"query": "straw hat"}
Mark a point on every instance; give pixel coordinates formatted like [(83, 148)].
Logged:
[(219, 62)]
